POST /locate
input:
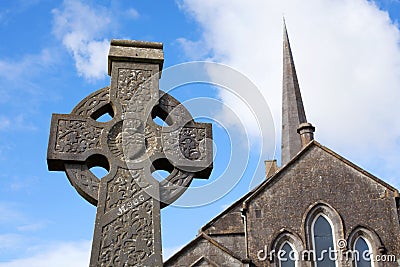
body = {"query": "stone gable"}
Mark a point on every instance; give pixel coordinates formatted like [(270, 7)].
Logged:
[(319, 176)]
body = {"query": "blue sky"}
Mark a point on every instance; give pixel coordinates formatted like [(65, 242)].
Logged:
[(54, 53)]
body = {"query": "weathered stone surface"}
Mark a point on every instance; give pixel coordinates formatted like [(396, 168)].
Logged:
[(282, 205), (229, 222), (322, 177), (225, 232), (130, 146), (205, 251)]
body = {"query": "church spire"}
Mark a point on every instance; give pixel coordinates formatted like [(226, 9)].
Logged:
[(296, 132)]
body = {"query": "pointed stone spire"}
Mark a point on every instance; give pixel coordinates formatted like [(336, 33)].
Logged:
[(293, 114)]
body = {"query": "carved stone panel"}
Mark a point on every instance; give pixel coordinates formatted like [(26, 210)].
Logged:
[(130, 146), (134, 89), (126, 223), (76, 136)]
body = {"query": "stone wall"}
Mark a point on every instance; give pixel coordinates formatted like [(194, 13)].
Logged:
[(321, 177)]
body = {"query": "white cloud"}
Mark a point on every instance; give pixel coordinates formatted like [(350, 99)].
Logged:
[(26, 66), (19, 83), (16, 122), (27, 250), (195, 50), (31, 227), (80, 27), (60, 254), (10, 241), (9, 213), (347, 57), (4, 123), (64, 254), (133, 13)]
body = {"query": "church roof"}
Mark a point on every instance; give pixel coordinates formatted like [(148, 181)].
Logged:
[(209, 239), (208, 230), (261, 187), (294, 160)]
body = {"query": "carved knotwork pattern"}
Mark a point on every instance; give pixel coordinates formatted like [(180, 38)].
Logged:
[(88, 181), (192, 142), (174, 184), (84, 181), (127, 230), (174, 108), (128, 240), (75, 136), (134, 89), (133, 142), (151, 140), (92, 104), (179, 178), (115, 141)]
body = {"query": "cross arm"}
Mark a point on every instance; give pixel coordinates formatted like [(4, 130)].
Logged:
[(72, 139), (190, 148)]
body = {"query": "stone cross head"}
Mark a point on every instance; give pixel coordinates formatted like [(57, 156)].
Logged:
[(131, 146)]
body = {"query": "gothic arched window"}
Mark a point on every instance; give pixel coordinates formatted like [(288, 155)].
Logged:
[(365, 244), (323, 242), (363, 250), (286, 249), (323, 229), (287, 256)]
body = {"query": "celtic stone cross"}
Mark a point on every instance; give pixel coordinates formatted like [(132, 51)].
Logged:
[(130, 146)]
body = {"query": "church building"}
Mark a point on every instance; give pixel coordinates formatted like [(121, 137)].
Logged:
[(316, 209)]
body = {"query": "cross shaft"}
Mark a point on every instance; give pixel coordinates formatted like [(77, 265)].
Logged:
[(131, 146)]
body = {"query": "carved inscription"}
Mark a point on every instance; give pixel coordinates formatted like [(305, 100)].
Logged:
[(124, 187), (75, 136)]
